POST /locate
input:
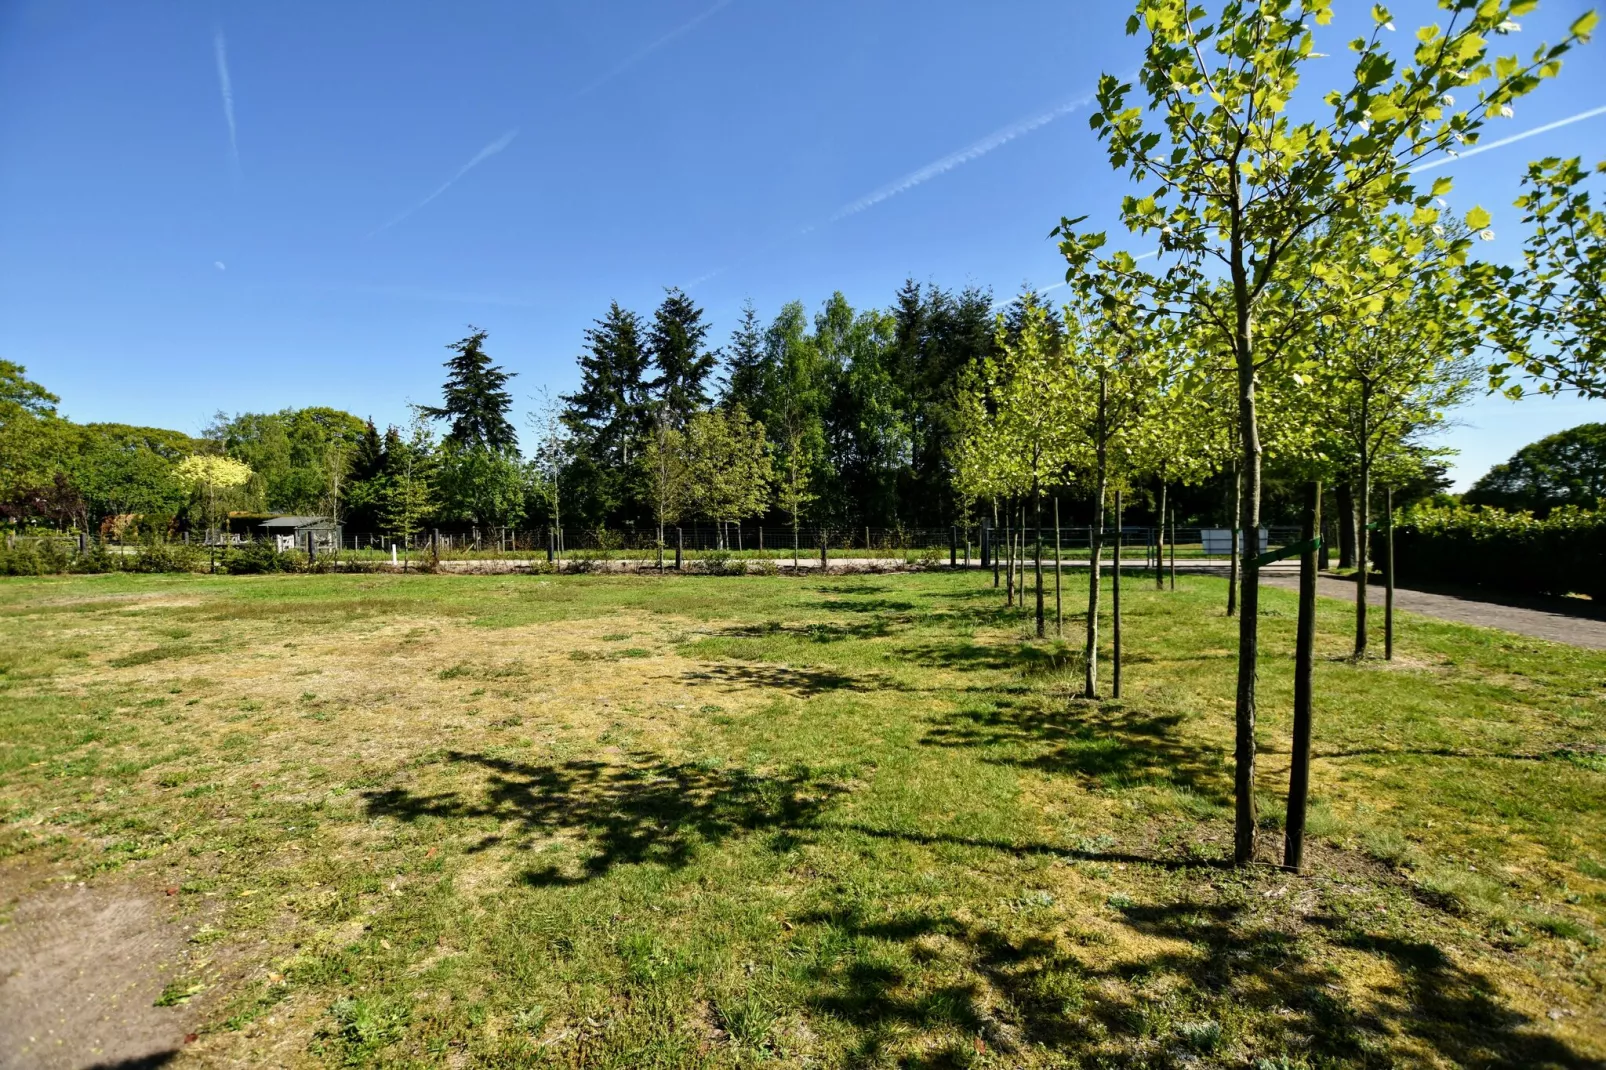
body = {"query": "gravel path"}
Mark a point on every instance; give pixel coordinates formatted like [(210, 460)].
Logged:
[(1560, 624)]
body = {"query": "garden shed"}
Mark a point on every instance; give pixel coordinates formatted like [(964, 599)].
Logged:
[(291, 532)]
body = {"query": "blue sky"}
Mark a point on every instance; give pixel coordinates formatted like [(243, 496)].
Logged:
[(211, 206)]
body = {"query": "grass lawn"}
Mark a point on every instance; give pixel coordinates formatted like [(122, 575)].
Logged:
[(615, 821)]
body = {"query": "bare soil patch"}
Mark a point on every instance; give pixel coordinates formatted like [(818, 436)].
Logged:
[(82, 969)]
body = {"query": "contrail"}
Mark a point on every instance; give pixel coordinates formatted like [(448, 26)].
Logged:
[(954, 159), (480, 157), (220, 48), (642, 53), (1474, 150)]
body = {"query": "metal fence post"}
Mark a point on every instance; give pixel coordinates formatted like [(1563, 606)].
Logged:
[(680, 550), (824, 559), (953, 546)]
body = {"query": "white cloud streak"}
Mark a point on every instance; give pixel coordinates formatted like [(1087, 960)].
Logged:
[(642, 53), (973, 151), (225, 85), (1503, 142), (480, 157)]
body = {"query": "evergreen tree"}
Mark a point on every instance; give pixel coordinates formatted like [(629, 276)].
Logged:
[(366, 488), (368, 460), (608, 413), (476, 401), (606, 417), (675, 343), (747, 370)]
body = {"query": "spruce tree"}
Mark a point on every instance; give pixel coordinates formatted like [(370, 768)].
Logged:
[(675, 343), (747, 370), (476, 401), (608, 414)]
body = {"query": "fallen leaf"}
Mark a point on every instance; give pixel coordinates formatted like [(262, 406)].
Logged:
[(172, 891), (430, 853), (191, 1038)]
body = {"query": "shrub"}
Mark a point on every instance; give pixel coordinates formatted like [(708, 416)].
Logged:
[(164, 557), (35, 557), (97, 559), (1564, 553), (261, 556)]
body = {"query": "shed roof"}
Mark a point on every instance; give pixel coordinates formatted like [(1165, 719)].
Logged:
[(298, 522)]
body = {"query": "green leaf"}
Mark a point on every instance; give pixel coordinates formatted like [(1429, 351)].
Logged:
[(1584, 24), (1478, 218)]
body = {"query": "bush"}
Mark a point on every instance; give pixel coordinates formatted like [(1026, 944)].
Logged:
[(164, 557), (1517, 553), (261, 556), (32, 557)]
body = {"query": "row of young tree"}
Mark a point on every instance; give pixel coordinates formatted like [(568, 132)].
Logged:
[(1314, 305)]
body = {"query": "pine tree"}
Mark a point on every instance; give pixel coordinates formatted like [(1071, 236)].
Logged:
[(747, 370), (476, 400), (675, 343)]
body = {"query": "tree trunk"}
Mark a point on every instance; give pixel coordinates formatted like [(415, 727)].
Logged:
[(1346, 523), (1159, 546), (1090, 650), (1173, 547), (1115, 605), (1388, 577), (1037, 525), (1009, 552), (1237, 537), (1363, 538), (1304, 665), (1059, 616), (1248, 610), (992, 543), (1090, 680)]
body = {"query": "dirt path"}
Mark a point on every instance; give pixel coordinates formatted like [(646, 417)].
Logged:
[(1575, 628), (81, 970)]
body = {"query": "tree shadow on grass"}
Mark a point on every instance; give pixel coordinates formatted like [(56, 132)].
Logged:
[(645, 812), (1108, 744), (802, 683), (1225, 981)]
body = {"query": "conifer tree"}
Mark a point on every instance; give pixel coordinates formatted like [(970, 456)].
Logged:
[(476, 399), (746, 369), (608, 413), (675, 344)]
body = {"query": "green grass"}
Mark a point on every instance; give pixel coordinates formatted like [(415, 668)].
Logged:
[(844, 821)]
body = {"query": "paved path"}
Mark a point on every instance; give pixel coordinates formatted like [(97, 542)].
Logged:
[(1579, 628)]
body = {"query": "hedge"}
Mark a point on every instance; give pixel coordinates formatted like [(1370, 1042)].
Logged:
[(1515, 553)]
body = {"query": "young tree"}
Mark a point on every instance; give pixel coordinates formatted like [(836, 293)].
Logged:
[(476, 400), (727, 465), (794, 494), (1033, 415), (1382, 382), (664, 474), (1113, 368), (551, 457), (1240, 181), (675, 344), (410, 495)]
